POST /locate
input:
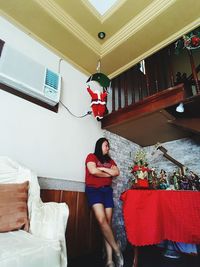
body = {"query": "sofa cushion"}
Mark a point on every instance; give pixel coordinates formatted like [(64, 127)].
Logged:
[(13, 207), (22, 249)]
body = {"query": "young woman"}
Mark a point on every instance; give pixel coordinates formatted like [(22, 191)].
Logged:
[(100, 169)]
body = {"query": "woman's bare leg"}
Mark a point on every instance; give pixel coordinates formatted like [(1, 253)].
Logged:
[(106, 230), (108, 212)]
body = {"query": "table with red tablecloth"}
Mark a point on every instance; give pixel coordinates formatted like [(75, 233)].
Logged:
[(151, 216)]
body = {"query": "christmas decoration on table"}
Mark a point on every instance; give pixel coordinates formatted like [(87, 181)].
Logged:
[(98, 95), (158, 181), (140, 171), (182, 178), (189, 41), (188, 181), (145, 177)]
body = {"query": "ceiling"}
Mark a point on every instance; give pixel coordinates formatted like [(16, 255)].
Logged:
[(134, 29)]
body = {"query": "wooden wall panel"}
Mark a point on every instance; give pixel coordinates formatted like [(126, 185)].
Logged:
[(50, 195), (83, 234)]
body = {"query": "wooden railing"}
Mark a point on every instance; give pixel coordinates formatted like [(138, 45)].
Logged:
[(150, 77), (151, 104)]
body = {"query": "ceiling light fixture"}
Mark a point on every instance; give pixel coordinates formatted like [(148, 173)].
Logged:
[(101, 35), (180, 108)]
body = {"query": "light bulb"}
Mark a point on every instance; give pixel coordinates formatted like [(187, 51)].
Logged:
[(101, 35), (180, 108)]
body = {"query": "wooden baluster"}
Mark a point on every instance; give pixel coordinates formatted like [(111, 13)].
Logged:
[(128, 78), (119, 92), (156, 73), (170, 67), (149, 63), (140, 86), (133, 88), (194, 73), (147, 78), (125, 89)]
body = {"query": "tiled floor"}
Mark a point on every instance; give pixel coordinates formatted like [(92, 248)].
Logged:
[(152, 256), (149, 256)]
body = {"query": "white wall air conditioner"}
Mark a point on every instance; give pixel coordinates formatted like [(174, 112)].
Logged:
[(28, 76)]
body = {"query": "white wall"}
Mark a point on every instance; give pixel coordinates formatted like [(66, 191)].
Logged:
[(52, 144)]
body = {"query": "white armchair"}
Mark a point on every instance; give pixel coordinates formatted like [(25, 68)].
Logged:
[(44, 243)]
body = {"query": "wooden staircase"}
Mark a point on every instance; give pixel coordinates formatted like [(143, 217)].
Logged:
[(151, 116)]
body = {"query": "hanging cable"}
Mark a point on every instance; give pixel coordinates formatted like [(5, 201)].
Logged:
[(82, 116), (79, 117)]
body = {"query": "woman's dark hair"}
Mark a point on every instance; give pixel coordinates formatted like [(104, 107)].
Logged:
[(98, 150)]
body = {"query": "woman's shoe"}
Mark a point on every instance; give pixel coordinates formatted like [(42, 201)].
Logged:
[(110, 264), (119, 260)]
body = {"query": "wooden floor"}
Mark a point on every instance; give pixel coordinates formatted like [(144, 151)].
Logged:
[(149, 256)]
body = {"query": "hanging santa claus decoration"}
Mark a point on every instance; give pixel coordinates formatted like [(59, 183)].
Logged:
[(98, 103), (98, 94)]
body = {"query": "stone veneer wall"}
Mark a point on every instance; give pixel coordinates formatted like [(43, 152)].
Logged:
[(122, 151), (185, 150)]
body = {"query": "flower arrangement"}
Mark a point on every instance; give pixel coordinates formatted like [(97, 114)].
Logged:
[(140, 170)]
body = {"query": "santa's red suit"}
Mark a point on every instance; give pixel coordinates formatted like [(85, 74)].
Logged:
[(98, 103)]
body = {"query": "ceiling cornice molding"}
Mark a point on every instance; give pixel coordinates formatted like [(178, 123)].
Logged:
[(70, 24), (157, 47), (148, 14), (143, 18)]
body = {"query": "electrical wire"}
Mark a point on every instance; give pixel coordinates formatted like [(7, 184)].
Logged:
[(79, 117)]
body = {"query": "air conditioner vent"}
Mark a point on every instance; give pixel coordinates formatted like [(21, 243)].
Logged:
[(52, 79)]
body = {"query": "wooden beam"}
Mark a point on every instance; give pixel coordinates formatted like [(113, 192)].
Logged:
[(153, 103), (189, 124), (167, 156)]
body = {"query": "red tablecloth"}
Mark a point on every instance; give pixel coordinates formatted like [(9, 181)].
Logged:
[(151, 216)]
